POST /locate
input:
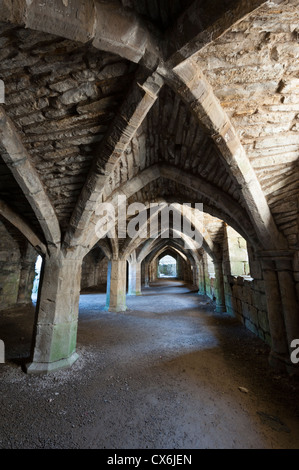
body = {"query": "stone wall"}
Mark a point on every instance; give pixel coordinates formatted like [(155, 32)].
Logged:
[(210, 286), (245, 296), (17, 270), (27, 275), (94, 271), (184, 271), (246, 300), (10, 268), (206, 276)]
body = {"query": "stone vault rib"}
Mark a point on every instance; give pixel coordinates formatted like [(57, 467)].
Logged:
[(131, 245), (18, 161), (107, 25), (134, 110), (161, 245), (228, 206), (188, 81), (16, 220)]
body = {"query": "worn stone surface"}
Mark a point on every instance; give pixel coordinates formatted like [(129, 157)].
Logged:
[(94, 270)]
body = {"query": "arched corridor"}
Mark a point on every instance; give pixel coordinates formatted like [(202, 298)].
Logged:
[(134, 131)]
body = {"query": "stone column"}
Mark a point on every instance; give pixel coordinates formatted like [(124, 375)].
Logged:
[(195, 276), (55, 336), (296, 272), (116, 286), (219, 287), (202, 279), (153, 271), (134, 278), (279, 349), (146, 274), (288, 298)]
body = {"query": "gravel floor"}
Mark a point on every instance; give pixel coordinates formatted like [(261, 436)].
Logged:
[(170, 373)]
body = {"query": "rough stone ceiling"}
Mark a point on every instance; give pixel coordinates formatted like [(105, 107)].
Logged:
[(61, 96), (171, 135), (174, 137)]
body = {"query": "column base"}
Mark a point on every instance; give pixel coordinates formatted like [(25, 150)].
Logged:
[(283, 364), (293, 369), (220, 309), (48, 367), (120, 309)]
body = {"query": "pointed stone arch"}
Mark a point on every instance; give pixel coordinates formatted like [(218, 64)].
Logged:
[(190, 84), (17, 159), (230, 210), (17, 221)]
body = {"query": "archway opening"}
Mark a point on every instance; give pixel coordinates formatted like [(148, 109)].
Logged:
[(38, 267), (167, 267)]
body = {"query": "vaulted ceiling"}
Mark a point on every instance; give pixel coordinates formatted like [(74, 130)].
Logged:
[(186, 101)]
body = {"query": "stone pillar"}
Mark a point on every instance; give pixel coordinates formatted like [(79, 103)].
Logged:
[(134, 278), (116, 286), (279, 348), (219, 287), (146, 274), (296, 272), (202, 279), (54, 344), (289, 301), (195, 276), (153, 271)]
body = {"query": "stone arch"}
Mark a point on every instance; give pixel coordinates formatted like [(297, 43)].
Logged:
[(174, 248), (200, 232), (20, 224), (88, 21), (188, 82), (17, 159), (147, 249), (230, 210)]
